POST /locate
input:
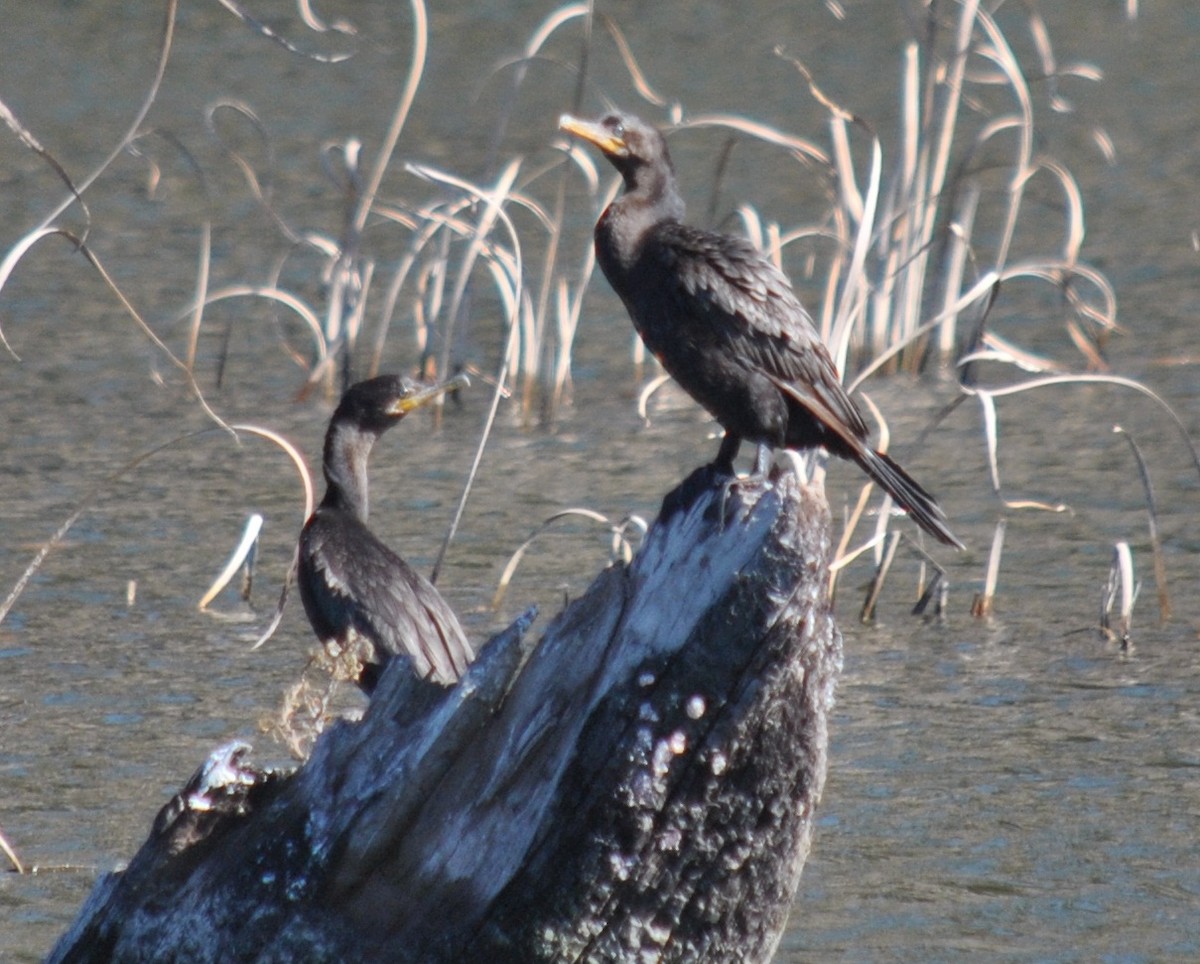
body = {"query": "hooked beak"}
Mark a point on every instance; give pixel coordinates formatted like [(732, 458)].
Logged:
[(592, 133), (402, 406)]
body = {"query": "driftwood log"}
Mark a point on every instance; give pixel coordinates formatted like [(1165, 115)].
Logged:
[(639, 786)]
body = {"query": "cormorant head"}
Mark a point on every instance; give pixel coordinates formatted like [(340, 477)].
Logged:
[(366, 411), (633, 147), (375, 405)]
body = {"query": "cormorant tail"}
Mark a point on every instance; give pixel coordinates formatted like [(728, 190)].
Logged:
[(908, 494)]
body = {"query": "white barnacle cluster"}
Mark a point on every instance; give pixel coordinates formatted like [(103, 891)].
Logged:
[(658, 932), (622, 865), (670, 840)]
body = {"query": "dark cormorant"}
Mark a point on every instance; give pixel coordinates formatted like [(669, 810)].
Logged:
[(725, 323), (358, 594)]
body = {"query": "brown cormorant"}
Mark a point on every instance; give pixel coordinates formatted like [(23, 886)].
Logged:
[(725, 322), (358, 594)]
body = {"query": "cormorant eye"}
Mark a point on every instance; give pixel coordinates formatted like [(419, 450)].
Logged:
[(613, 123)]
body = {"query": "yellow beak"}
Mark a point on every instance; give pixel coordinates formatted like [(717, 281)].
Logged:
[(402, 406), (592, 133)]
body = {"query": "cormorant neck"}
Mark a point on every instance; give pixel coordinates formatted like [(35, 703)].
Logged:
[(347, 449), (652, 187), (650, 199)]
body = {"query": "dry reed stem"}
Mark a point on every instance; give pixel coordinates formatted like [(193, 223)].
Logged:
[(621, 549), (275, 37), (1160, 562), (1120, 582), (240, 557), (985, 602), (11, 853), (891, 543)]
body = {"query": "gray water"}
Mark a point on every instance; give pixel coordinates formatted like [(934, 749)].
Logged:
[(1012, 789)]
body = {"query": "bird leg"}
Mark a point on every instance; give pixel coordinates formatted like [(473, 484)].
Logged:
[(724, 464), (719, 472), (727, 453), (763, 456)]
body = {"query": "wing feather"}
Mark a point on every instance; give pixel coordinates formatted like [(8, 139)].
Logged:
[(376, 594), (722, 292)]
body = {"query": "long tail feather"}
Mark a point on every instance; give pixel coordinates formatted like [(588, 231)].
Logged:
[(908, 494)]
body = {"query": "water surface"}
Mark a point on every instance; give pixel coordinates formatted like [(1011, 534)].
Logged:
[(1014, 789)]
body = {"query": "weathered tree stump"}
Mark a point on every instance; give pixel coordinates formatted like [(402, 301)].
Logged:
[(641, 787)]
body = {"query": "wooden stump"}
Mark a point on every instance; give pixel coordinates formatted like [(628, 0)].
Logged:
[(641, 786)]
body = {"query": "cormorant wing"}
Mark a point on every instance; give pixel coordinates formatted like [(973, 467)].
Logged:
[(408, 616), (729, 295), (377, 594)]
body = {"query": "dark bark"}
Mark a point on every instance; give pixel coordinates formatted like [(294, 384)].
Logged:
[(644, 784)]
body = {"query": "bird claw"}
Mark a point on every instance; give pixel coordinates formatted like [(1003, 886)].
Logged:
[(718, 475)]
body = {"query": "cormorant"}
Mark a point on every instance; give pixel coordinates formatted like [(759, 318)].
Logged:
[(357, 593), (725, 322)]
